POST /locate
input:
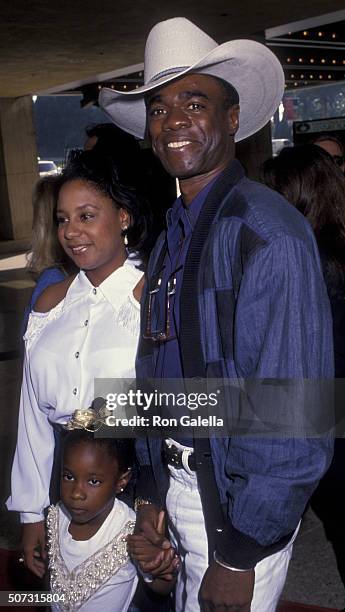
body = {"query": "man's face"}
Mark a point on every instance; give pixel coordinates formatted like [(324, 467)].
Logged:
[(191, 130)]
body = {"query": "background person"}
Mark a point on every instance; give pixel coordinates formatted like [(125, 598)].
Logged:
[(333, 146), (309, 179), (47, 261), (110, 141), (242, 308)]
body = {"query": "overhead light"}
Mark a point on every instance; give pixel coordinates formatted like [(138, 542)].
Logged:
[(305, 33), (312, 60), (320, 34)]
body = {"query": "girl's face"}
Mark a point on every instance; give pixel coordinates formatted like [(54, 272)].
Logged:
[(90, 228), (90, 481)]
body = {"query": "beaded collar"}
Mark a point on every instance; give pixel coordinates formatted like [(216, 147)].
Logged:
[(77, 586)]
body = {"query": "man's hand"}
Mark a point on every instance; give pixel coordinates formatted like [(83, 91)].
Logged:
[(224, 590), (33, 547)]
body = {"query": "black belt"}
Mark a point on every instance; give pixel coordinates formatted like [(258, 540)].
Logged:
[(173, 456)]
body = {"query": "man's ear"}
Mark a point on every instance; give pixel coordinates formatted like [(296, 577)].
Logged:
[(234, 118), (123, 481)]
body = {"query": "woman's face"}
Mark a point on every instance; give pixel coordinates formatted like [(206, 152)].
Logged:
[(89, 229)]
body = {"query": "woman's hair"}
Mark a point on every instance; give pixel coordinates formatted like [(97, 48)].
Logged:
[(308, 178), (101, 173), (46, 250), (120, 449)]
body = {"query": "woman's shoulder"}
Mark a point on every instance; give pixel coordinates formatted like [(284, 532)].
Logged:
[(53, 295)]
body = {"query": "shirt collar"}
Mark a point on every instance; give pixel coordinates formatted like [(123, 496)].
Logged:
[(188, 215), (114, 289)]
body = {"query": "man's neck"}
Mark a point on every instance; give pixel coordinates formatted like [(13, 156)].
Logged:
[(191, 186)]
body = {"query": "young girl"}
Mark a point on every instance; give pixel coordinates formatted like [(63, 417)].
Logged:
[(89, 565), (90, 568)]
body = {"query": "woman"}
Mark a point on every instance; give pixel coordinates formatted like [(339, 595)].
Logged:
[(83, 328), (310, 180)]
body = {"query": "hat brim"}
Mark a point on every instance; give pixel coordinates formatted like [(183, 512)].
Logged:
[(250, 67)]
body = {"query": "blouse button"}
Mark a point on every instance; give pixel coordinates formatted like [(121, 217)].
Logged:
[(94, 290), (86, 322), (76, 355), (75, 391)]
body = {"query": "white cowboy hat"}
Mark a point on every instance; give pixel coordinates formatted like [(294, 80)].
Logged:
[(177, 47)]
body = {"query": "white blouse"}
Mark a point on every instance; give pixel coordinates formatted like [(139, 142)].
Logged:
[(93, 333), (94, 574)]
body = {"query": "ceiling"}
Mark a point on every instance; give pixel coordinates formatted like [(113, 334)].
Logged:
[(44, 44)]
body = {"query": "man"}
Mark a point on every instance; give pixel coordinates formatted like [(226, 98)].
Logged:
[(234, 292)]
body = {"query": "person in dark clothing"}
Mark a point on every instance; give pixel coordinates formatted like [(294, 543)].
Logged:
[(308, 178)]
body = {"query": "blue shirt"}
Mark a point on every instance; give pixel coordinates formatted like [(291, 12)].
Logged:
[(181, 221), (48, 277)]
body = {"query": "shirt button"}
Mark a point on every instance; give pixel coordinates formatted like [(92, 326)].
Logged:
[(76, 355), (94, 290), (86, 322), (75, 391)]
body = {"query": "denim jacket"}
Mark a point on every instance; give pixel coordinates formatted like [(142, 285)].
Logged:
[(256, 282)]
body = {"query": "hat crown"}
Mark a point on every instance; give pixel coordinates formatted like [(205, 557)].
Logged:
[(174, 45)]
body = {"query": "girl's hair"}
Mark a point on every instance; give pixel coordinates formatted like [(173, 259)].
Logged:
[(46, 251), (99, 170), (120, 449), (308, 178)]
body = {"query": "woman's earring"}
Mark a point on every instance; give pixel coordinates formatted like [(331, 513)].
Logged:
[(125, 238)]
